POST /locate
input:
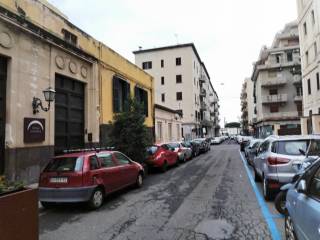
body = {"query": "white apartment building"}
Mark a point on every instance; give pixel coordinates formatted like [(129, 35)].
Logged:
[(278, 85), (309, 34), (182, 83)]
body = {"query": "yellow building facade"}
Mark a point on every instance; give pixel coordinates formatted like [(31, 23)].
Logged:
[(40, 48)]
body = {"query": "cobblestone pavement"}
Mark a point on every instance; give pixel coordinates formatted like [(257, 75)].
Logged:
[(208, 197)]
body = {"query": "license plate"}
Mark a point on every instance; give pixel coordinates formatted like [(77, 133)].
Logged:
[(59, 180)]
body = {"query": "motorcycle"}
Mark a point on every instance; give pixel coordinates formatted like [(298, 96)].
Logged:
[(280, 199)]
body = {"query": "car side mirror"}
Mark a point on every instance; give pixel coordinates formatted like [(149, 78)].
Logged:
[(302, 186)]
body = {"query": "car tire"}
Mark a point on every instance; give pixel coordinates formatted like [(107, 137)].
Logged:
[(139, 181), (96, 199), (280, 202), (164, 167), (256, 176), (289, 228), (48, 204), (266, 190)]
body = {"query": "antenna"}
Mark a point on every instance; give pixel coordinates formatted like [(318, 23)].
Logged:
[(140, 47)]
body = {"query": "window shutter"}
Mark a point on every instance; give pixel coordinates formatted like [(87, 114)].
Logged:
[(145, 102), (136, 94), (116, 97), (126, 96)]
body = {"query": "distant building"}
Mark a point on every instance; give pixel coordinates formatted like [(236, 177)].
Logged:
[(309, 33), (182, 83), (247, 107), (167, 124), (278, 86)]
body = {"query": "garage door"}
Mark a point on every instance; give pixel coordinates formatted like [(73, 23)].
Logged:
[(3, 80), (69, 114)]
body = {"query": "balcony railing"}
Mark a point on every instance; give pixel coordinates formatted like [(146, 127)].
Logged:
[(278, 81), (203, 92), (202, 78), (279, 116), (297, 79), (298, 98), (203, 106), (280, 98)]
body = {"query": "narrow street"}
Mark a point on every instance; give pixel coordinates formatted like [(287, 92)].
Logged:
[(209, 197)]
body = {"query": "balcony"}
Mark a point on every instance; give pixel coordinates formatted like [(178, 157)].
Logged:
[(280, 98), (274, 82), (203, 92), (202, 79), (203, 106), (298, 98), (297, 79)]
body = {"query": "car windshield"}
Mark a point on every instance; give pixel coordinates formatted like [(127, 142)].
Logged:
[(314, 149), (292, 147), (65, 164), (152, 150), (174, 145)]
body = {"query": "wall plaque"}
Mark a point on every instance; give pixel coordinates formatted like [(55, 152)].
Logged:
[(34, 130)]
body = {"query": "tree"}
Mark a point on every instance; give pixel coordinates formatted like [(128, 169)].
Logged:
[(128, 132)]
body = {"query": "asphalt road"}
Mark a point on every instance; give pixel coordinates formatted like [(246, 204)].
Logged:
[(209, 197)]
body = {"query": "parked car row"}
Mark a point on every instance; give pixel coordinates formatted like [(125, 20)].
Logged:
[(218, 140), (89, 175), (291, 165)]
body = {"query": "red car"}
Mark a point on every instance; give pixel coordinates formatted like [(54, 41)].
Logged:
[(161, 156), (87, 177)]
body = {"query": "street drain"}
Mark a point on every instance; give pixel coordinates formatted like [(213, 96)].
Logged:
[(215, 229)]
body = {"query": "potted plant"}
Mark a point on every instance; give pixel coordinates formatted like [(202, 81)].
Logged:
[(19, 210)]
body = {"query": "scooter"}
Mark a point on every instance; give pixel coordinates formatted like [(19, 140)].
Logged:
[(280, 199)]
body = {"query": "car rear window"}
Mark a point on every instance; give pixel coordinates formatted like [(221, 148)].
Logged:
[(65, 164), (291, 147), (152, 150)]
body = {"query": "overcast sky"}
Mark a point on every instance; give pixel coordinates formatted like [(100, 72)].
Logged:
[(228, 34)]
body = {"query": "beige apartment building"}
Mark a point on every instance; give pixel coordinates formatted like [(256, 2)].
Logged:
[(309, 34), (278, 85), (182, 83), (247, 107), (41, 50)]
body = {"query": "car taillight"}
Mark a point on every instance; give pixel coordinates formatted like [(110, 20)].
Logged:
[(277, 160)]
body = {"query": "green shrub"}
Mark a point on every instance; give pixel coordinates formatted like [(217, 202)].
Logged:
[(128, 132)]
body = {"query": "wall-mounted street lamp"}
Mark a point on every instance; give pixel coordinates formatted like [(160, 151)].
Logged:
[(49, 95)]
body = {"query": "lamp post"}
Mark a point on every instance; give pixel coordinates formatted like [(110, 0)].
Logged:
[(49, 96)]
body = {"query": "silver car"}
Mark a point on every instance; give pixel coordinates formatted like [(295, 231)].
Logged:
[(251, 150), (279, 158), (184, 152), (302, 219)]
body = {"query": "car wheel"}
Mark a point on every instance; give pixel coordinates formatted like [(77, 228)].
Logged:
[(47, 204), (280, 202), (96, 199), (164, 167), (266, 189), (256, 176), (139, 180), (289, 229)]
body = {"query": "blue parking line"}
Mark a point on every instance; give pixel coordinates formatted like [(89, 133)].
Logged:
[(264, 208)]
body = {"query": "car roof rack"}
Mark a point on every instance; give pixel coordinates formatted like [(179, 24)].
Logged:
[(88, 150)]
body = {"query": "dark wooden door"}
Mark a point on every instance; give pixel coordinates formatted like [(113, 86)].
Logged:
[(69, 114), (3, 81)]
